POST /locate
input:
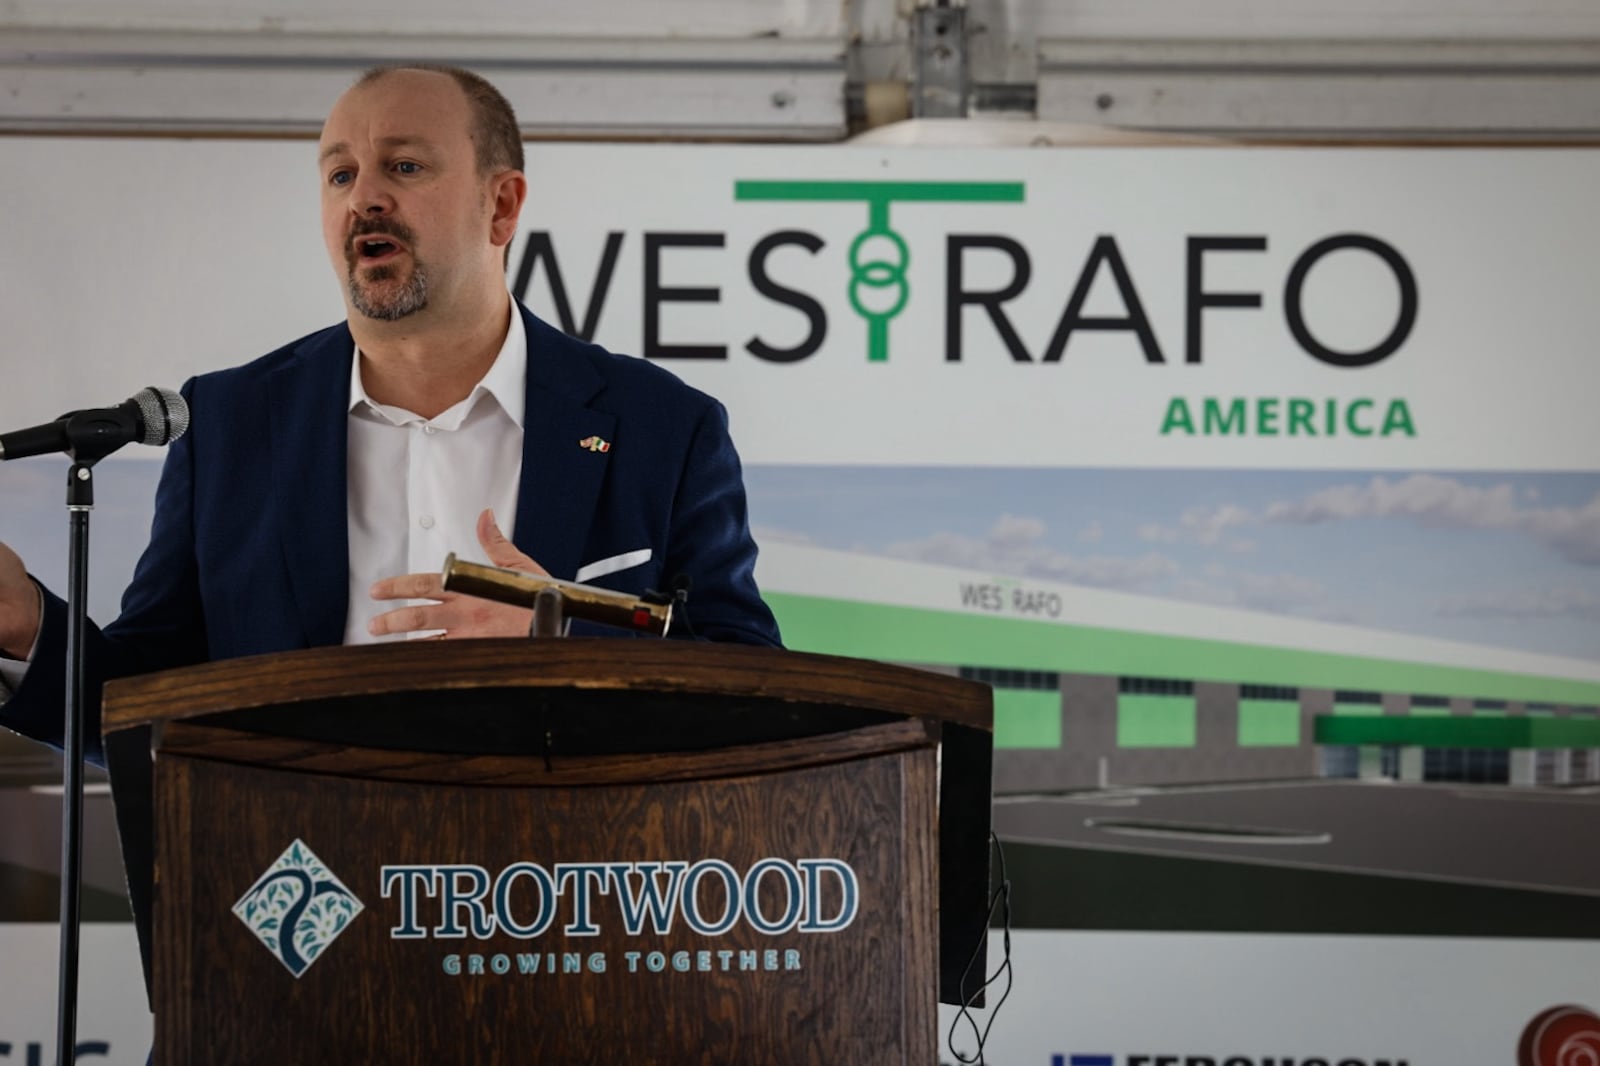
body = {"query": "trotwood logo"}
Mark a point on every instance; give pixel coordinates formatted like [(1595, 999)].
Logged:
[(297, 908)]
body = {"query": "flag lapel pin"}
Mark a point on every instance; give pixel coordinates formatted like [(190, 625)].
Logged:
[(595, 444)]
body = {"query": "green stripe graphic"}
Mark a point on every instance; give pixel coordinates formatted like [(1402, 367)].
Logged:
[(920, 635), (1461, 731), (992, 192)]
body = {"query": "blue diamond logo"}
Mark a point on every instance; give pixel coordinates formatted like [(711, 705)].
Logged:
[(297, 908)]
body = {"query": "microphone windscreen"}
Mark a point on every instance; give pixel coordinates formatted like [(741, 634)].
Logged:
[(163, 414)]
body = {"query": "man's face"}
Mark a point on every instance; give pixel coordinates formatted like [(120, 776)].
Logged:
[(405, 214)]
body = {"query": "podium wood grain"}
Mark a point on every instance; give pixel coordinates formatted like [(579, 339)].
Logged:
[(554, 752)]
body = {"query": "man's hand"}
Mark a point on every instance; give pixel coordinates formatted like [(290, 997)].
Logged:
[(19, 607), (455, 614)]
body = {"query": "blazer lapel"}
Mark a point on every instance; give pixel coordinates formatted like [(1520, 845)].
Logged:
[(309, 400), (562, 469)]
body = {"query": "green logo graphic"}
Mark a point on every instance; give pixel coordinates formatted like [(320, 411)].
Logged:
[(878, 195)]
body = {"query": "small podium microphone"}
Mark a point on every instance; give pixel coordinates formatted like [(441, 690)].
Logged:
[(153, 416)]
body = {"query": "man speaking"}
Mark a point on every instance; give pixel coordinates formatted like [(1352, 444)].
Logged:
[(323, 484)]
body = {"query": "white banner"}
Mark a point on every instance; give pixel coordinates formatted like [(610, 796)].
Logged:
[(1282, 308), (1313, 426), (1172, 998), (114, 1024), (1188, 999)]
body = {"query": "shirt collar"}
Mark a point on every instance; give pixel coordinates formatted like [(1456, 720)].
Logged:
[(506, 381)]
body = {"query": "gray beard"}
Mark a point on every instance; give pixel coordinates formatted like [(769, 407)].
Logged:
[(407, 301)]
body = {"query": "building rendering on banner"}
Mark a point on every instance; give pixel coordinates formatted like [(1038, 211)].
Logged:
[(1097, 689)]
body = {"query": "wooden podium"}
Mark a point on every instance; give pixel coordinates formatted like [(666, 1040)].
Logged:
[(561, 851)]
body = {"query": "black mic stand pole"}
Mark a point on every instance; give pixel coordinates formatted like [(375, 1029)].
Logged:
[(80, 501)]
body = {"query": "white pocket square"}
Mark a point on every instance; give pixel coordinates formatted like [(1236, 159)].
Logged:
[(602, 567)]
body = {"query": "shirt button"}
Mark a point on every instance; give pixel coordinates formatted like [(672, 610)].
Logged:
[(426, 521), (428, 430)]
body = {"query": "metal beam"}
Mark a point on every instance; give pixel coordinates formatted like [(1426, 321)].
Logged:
[(767, 88), (1310, 89)]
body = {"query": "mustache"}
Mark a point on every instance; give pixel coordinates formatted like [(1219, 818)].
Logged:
[(378, 227)]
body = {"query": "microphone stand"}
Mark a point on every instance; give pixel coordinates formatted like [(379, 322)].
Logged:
[(80, 501), (153, 416)]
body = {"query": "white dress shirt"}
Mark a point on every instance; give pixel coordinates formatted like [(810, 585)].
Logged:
[(416, 485)]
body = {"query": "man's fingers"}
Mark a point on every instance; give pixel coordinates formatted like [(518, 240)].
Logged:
[(405, 620), (460, 616), (457, 615), (411, 587), (502, 552)]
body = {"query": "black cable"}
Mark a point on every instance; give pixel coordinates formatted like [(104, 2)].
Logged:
[(1002, 899), (680, 599), (681, 612)]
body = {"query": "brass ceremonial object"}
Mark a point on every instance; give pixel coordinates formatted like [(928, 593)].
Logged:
[(621, 609)]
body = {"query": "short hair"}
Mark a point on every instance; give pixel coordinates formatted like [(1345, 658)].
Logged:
[(496, 138)]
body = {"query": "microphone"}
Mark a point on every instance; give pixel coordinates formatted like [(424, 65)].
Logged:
[(153, 416)]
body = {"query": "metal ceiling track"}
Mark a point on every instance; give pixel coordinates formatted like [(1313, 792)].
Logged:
[(764, 88)]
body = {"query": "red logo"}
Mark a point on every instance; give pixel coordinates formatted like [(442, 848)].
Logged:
[(1561, 1036)]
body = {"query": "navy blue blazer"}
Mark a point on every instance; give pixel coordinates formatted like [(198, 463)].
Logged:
[(249, 550)]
